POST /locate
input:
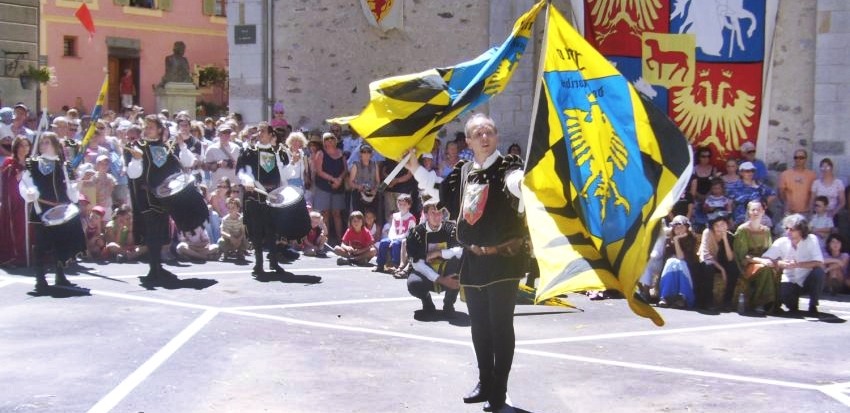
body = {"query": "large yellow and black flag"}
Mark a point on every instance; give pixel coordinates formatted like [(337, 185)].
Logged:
[(406, 111), (604, 166)]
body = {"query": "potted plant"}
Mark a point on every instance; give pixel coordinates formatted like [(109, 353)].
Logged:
[(41, 75)]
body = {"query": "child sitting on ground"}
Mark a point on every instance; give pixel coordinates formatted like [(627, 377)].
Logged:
[(356, 244), (95, 243), (402, 222), (120, 244), (195, 245), (314, 242), (233, 241)]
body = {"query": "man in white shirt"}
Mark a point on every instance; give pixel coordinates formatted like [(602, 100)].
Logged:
[(799, 257), (220, 157)]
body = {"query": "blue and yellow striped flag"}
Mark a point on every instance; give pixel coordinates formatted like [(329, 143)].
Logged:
[(604, 166), (406, 111), (95, 116)]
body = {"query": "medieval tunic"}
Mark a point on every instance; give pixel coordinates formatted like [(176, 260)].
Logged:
[(265, 164)]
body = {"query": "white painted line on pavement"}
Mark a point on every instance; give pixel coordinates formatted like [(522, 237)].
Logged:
[(151, 300), (117, 394), (838, 391), (322, 303), (5, 283), (387, 333), (297, 271), (661, 331), (662, 369)]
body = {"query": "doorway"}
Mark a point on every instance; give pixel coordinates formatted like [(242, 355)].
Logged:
[(117, 65)]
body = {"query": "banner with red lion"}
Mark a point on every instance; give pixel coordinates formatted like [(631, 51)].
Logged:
[(705, 62)]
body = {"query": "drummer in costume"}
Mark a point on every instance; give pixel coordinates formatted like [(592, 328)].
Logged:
[(155, 161), (47, 183), (262, 168), (482, 195)]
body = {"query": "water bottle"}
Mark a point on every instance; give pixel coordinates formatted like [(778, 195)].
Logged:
[(742, 304)]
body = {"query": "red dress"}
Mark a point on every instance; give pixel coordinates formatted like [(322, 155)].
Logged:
[(12, 213)]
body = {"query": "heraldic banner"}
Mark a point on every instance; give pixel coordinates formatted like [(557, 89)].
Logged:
[(704, 62), (384, 14)]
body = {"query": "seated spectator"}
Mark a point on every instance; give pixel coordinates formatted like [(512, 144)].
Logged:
[(757, 282), (371, 224), (195, 245), (748, 154), (800, 259), (680, 261), (400, 225), (314, 243), (835, 263), (234, 240), (218, 198), (93, 228), (104, 184), (822, 224), (435, 253), (731, 174), (746, 190), (356, 244), (716, 201), (120, 242), (716, 258)]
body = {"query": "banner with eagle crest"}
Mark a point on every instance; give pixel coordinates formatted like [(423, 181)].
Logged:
[(384, 14), (604, 166), (704, 62)]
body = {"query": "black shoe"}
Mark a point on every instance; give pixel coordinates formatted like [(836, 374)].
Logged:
[(448, 310), (166, 275), (494, 405), (813, 310), (41, 286), (478, 395), (289, 255), (277, 268), (258, 270)]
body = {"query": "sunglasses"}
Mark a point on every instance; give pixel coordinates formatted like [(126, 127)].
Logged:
[(799, 157), (705, 156)]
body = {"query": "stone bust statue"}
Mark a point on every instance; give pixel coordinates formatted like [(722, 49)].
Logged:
[(177, 66)]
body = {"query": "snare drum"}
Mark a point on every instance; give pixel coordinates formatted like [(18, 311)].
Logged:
[(63, 231), (289, 212), (181, 198)]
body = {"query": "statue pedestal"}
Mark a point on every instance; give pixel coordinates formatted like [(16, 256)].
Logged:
[(176, 97)]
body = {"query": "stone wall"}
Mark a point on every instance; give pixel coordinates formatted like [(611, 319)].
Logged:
[(18, 34), (326, 53), (246, 62), (832, 85)]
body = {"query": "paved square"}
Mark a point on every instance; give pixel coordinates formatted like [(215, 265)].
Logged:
[(343, 339)]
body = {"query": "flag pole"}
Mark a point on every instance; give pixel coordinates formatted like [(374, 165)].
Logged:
[(383, 186), (538, 82), (95, 116)]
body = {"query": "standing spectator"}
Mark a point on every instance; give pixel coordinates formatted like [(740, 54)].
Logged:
[(278, 116), (464, 152), (746, 190), (835, 264), (19, 122), (515, 149), (830, 187), (299, 174), (329, 195), (752, 239), (12, 212), (716, 257), (676, 285), (220, 158), (402, 184), (731, 174), (104, 184), (363, 181), (795, 185), (748, 154), (6, 116), (447, 164), (821, 223), (800, 259), (700, 185), (127, 89)]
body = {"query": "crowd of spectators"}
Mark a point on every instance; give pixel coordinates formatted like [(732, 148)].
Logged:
[(736, 242)]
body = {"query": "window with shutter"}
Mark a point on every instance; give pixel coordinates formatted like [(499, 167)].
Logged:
[(165, 5)]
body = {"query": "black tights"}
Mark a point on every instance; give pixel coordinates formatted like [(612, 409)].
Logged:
[(491, 311)]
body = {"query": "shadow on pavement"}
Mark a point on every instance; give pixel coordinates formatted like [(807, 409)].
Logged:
[(456, 318), (177, 283), (288, 278), (62, 292)]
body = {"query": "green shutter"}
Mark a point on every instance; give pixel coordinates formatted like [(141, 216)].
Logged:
[(209, 7), (165, 5), (122, 2)]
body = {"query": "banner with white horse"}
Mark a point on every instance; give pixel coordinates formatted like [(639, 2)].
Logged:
[(705, 62)]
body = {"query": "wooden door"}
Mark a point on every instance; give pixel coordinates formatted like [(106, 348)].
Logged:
[(114, 100)]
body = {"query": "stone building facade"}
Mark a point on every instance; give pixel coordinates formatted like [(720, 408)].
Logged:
[(324, 54), (18, 49)]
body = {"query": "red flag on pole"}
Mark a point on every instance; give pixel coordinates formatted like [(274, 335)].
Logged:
[(84, 15)]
